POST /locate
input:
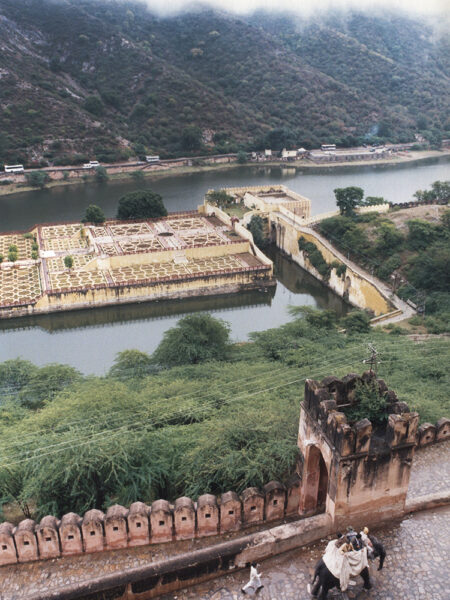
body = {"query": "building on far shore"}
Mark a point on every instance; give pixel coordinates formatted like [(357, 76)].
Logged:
[(185, 254), (327, 154)]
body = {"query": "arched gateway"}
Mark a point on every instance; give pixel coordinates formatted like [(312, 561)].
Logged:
[(354, 471), (315, 481)]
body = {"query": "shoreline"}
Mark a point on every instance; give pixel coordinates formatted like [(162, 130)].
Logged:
[(410, 159)]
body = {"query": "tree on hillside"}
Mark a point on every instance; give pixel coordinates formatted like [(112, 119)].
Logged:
[(347, 199), (142, 204), (191, 138), (194, 339), (94, 214), (94, 105)]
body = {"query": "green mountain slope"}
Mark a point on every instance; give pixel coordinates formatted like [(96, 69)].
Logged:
[(93, 78)]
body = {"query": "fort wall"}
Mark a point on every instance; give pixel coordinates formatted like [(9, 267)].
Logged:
[(363, 468), (142, 524)]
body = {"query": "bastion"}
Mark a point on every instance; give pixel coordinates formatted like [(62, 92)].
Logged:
[(184, 254)]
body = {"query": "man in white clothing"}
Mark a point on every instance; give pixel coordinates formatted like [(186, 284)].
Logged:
[(255, 580)]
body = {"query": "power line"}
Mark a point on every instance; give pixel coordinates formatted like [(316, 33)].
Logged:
[(124, 419), (140, 422)]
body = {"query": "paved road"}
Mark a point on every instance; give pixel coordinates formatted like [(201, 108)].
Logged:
[(417, 567)]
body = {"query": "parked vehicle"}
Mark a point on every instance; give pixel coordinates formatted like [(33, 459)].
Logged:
[(93, 164), (14, 169), (152, 159)]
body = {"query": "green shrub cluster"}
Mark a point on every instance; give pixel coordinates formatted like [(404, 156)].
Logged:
[(140, 432)]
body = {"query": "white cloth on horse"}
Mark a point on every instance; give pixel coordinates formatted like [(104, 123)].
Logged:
[(344, 565), (255, 580)]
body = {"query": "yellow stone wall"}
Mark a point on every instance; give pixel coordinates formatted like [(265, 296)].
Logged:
[(132, 293), (362, 293), (127, 260)]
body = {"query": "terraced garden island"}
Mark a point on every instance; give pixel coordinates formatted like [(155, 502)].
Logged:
[(183, 254)]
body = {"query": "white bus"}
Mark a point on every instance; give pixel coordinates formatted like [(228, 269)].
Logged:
[(14, 169), (93, 164), (328, 147), (152, 159)]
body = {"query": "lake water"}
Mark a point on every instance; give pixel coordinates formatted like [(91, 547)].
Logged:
[(90, 339)]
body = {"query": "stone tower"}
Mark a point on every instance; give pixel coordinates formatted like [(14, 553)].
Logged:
[(357, 473)]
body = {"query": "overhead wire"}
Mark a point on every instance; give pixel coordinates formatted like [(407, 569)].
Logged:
[(162, 401)]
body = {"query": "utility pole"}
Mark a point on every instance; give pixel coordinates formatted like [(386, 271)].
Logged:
[(372, 360)]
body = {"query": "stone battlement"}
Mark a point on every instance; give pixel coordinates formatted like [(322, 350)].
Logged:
[(141, 524), (356, 469), (325, 402)]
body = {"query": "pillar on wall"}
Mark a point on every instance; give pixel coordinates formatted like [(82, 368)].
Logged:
[(8, 554), (161, 522), (207, 515), (443, 429), (116, 532), (275, 494), (293, 494), (184, 518), (230, 512), (92, 530), (47, 533), (138, 524), (25, 540), (252, 505), (70, 534)]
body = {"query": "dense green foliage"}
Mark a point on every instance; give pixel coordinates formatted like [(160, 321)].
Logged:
[(347, 199), (415, 262), (37, 178), (143, 204), (105, 71), (369, 404), (256, 228), (195, 339), (315, 257), (71, 442), (68, 262), (94, 214)]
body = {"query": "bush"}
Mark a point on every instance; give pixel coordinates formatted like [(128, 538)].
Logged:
[(94, 105), (256, 228), (131, 364), (369, 404), (37, 178), (421, 234), (93, 214), (241, 157), (68, 262), (101, 175), (315, 257), (143, 204), (194, 339), (357, 321)]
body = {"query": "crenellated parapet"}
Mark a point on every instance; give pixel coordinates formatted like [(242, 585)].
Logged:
[(354, 468), (141, 524), (326, 402)]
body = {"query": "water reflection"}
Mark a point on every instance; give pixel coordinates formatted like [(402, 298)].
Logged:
[(90, 339)]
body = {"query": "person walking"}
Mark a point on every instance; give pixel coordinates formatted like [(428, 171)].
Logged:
[(255, 580)]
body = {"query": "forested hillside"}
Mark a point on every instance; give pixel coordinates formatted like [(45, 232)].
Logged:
[(87, 78)]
